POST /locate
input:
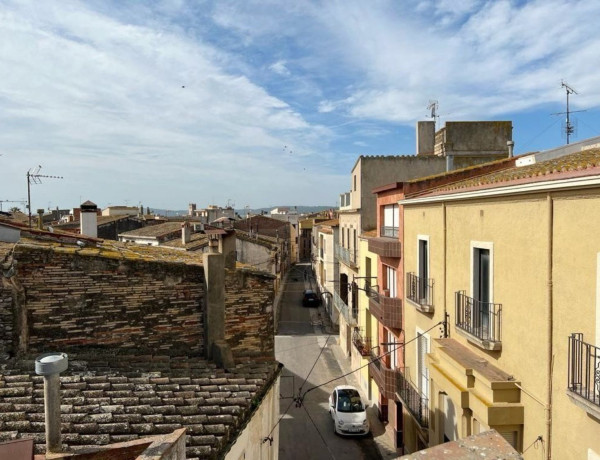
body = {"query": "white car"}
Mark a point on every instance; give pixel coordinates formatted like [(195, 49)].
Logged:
[(348, 411)]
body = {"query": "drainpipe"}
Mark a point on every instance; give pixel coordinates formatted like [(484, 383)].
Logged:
[(50, 365), (550, 326)]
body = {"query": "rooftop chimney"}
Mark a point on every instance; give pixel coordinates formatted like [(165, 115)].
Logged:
[(50, 365), (511, 148), (186, 233), (88, 220), (40, 213), (425, 137)]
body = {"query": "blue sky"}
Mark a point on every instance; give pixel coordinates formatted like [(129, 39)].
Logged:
[(268, 103)]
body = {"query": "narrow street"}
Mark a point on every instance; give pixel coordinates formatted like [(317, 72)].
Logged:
[(307, 432)]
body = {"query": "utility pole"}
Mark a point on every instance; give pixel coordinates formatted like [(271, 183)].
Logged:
[(34, 176)]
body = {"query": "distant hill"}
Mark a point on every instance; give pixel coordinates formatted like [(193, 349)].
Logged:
[(299, 209), (242, 212)]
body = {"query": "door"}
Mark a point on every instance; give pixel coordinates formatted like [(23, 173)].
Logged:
[(423, 270), (481, 294)]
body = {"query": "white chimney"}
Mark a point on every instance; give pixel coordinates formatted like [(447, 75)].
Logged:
[(88, 220)]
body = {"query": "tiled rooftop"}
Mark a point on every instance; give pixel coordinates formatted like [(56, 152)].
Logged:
[(114, 398), (155, 231), (116, 250), (586, 162), (197, 241)]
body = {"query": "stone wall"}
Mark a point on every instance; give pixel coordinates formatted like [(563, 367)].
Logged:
[(58, 299), (249, 314), (89, 301)]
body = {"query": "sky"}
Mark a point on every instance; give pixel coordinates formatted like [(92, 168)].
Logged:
[(269, 103)]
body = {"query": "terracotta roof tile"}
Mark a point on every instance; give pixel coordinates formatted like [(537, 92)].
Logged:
[(112, 398), (585, 162)]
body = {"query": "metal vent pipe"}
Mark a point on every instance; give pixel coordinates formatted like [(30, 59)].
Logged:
[(50, 365)]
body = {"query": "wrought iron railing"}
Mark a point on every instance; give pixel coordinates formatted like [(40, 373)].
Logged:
[(415, 402), (482, 320), (419, 290), (348, 256), (362, 344), (343, 309), (584, 369), (391, 232)]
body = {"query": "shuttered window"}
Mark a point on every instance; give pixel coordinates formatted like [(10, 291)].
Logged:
[(422, 370), (509, 435)]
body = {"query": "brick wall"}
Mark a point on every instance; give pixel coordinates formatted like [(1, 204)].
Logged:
[(249, 314), (73, 301), (80, 301)]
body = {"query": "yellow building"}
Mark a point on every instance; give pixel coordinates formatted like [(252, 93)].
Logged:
[(502, 307)]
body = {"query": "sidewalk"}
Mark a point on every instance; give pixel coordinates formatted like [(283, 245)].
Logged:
[(384, 443)]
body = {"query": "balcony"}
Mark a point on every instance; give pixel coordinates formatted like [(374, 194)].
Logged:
[(480, 322), (347, 256), (387, 310), (389, 232), (385, 377), (345, 201), (412, 399), (386, 246), (584, 375), (351, 317), (420, 292), (362, 344)]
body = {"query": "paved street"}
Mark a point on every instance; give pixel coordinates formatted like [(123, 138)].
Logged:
[(299, 341)]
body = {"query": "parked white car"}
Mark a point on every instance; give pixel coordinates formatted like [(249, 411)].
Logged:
[(348, 411)]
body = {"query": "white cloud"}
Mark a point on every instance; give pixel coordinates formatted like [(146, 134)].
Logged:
[(280, 68)]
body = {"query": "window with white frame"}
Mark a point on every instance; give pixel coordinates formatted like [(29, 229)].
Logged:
[(391, 221), (422, 369), (423, 268), (482, 289), (391, 282)]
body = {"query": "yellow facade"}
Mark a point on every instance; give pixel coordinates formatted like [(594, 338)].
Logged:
[(364, 318), (541, 250)]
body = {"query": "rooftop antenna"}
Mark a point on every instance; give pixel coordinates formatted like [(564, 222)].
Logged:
[(34, 177), (569, 128), (433, 109), (23, 202)]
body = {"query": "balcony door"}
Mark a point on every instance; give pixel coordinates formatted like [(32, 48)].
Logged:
[(391, 282), (481, 291), (391, 221), (423, 270)]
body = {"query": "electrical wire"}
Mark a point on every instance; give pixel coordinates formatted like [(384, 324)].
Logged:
[(314, 364), (319, 431), (535, 441), (526, 144), (378, 358)]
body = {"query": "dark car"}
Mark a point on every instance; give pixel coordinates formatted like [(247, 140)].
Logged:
[(310, 299)]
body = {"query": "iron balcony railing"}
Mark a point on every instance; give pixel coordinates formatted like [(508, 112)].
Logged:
[(348, 256), (482, 320), (415, 402), (391, 232), (584, 369), (419, 290), (362, 344), (344, 309)]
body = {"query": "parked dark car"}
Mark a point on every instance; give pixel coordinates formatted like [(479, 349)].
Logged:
[(310, 299)]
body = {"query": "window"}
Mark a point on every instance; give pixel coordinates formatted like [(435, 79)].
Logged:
[(391, 282), (423, 269), (392, 348), (355, 182), (391, 221), (482, 309), (422, 370)]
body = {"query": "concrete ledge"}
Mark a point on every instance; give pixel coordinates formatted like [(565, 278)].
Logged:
[(592, 409), (421, 308), (485, 344)]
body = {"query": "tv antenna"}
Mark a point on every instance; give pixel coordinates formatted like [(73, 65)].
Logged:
[(433, 109), (23, 202), (569, 128), (34, 177)]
